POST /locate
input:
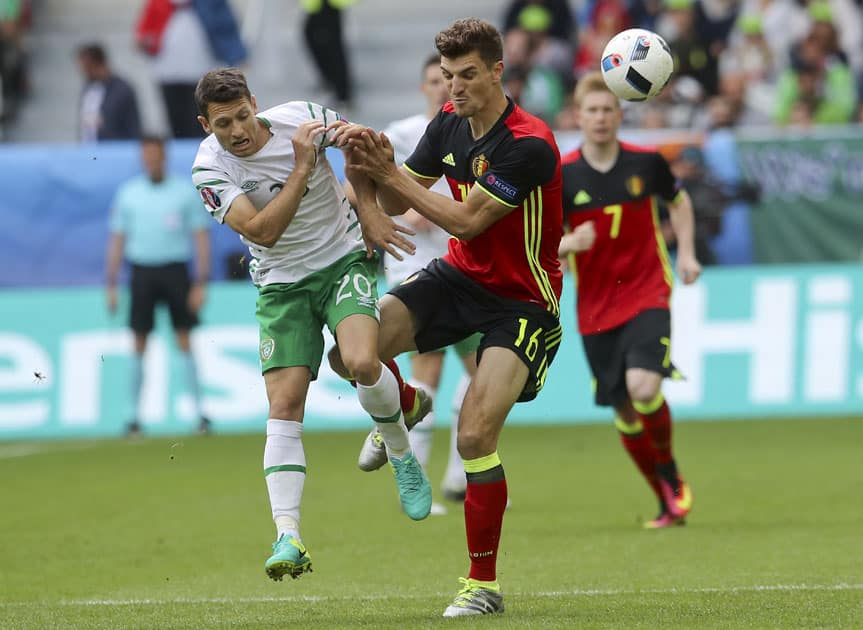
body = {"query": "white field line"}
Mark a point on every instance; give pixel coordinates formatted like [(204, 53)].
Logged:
[(25, 449), (758, 588)]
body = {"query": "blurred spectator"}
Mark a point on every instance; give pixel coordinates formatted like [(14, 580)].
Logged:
[(13, 76), (607, 18), (645, 13), (185, 40), (538, 52), (514, 81), (783, 22), (818, 88), (540, 92), (748, 71), (710, 197), (108, 109), (693, 54), (325, 41), (740, 102), (714, 21), (845, 19), (539, 33), (748, 51), (733, 245)]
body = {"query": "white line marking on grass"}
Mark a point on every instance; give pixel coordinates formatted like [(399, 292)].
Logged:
[(757, 588), (25, 449)]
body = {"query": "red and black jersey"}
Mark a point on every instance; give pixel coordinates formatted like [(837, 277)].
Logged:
[(518, 163), (627, 270)]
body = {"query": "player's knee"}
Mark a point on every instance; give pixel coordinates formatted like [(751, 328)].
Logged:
[(362, 364), (287, 406), (473, 443), (334, 358), (643, 390)]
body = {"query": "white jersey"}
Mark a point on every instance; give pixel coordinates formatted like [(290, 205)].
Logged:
[(404, 135), (324, 228)]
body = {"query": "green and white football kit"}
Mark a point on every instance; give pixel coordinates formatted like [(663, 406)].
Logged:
[(324, 234), (316, 274)]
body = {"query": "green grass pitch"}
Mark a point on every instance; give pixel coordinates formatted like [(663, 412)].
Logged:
[(174, 533)]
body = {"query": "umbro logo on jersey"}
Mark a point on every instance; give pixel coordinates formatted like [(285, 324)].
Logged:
[(448, 159), (249, 185), (581, 197)]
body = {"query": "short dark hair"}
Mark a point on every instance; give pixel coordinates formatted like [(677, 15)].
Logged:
[(431, 60), (94, 52), (220, 86), (152, 138), (469, 35)]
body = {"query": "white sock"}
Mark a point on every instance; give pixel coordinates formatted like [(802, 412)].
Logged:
[(421, 435), (454, 477), (137, 382), (191, 370), (285, 472), (381, 402)]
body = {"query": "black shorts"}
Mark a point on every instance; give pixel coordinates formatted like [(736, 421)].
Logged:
[(642, 342), (448, 306), (154, 284)]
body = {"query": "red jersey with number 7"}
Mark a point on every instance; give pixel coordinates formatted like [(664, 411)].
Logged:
[(627, 270)]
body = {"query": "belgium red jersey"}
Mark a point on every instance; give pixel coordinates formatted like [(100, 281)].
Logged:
[(517, 163), (627, 270)]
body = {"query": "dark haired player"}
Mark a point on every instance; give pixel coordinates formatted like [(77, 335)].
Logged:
[(501, 276)]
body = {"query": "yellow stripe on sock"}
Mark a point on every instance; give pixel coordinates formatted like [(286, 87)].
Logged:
[(481, 464), (628, 429), (648, 408)]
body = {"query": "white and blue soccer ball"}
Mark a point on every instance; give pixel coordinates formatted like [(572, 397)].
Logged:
[(636, 64)]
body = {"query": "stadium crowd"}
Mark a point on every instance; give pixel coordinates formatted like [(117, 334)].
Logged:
[(14, 24), (752, 62), (738, 62)]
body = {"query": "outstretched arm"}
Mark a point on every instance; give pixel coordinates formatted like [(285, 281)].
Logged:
[(683, 223)]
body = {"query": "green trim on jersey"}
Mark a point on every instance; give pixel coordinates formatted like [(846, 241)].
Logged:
[(266, 122), (211, 182)]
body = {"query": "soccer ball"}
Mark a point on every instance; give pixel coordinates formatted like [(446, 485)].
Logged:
[(636, 64)]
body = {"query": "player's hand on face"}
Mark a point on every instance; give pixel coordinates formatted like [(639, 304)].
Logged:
[(688, 268), (379, 230), (307, 143)]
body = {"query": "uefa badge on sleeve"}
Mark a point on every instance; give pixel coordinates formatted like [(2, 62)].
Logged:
[(210, 197)]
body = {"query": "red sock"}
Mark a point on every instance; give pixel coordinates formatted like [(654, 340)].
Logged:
[(657, 425), (484, 505), (407, 392), (642, 453)]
